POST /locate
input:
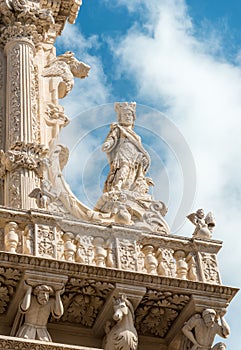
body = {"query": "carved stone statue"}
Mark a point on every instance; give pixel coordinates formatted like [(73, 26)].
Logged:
[(202, 329), (204, 225), (37, 309), (123, 335), (128, 159), (126, 196)]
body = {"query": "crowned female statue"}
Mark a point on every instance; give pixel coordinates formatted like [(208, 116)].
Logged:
[(125, 198), (128, 159)]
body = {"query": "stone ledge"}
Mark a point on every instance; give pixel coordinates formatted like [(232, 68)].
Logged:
[(78, 270), (13, 343)]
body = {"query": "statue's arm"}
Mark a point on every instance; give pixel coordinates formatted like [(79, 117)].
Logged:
[(25, 304), (224, 328), (111, 139), (58, 308), (188, 327)]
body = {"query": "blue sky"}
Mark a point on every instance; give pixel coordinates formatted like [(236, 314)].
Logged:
[(181, 62)]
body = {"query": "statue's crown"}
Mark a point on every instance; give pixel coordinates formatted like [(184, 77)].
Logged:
[(125, 106)]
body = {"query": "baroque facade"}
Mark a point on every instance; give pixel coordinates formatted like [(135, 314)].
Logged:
[(112, 277)]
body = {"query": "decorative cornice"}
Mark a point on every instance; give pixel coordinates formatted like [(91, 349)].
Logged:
[(23, 262)]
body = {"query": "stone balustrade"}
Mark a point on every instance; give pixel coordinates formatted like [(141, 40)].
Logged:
[(36, 233)]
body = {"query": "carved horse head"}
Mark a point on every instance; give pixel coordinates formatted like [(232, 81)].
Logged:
[(123, 335), (122, 307)]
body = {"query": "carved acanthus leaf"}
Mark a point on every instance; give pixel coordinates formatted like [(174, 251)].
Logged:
[(23, 155), (158, 310), (8, 282), (83, 299)]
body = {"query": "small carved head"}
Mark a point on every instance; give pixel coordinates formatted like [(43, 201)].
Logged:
[(126, 113), (42, 293), (209, 316), (200, 213)]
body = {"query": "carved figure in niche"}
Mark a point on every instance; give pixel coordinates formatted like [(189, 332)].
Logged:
[(123, 335), (125, 195), (202, 329), (37, 309), (204, 225)]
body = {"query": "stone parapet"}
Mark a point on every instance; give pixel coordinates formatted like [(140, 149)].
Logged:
[(41, 234)]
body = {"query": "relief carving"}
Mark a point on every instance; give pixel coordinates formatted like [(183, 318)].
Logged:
[(23, 155), (19, 14), (85, 249), (127, 255), (122, 335), (9, 279), (46, 241), (83, 300), (28, 240), (14, 186), (157, 311), (210, 268)]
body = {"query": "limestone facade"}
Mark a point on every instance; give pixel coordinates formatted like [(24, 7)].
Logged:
[(72, 277)]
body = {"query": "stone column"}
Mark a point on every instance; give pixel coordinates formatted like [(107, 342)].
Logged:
[(20, 178), (19, 126)]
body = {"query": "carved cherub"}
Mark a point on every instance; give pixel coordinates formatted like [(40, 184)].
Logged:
[(37, 309), (43, 195), (202, 329), (204, 225)]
